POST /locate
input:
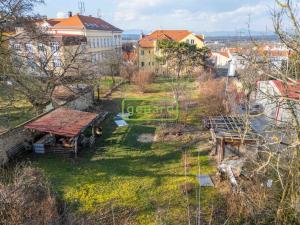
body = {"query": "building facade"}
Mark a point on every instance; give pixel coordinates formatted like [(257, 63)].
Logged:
[(148, 52), (274, 95), (102, 37), (45, 55)]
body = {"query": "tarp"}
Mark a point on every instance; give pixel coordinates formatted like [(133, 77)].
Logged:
[(205, 180), (121, 123), (64, 122)]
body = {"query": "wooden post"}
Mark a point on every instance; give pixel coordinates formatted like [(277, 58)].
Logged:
[(222, 149), (76, 146), (98, 93)]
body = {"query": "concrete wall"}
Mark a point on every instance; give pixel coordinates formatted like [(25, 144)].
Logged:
[(82, 102), (19, 134)]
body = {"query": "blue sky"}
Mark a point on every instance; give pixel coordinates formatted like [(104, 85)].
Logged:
[(196, 15)]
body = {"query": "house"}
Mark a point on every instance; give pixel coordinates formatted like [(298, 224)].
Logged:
[(221, 61), (92, 38), (50, 53), (148, 50), (102, 37), (274, 95)]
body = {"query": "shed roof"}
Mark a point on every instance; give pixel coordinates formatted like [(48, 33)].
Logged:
[(64, 122), (290, 90), (232, 128)]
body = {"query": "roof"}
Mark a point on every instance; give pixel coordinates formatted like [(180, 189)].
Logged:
[(225, 54), (175, 35), (67, 93), (129, 56), (64, 122), (87, 22), (291, 90), (232, 128), (201, 37), (55, 21)]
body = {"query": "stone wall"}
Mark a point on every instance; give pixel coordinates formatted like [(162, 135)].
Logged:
[(18, 135)]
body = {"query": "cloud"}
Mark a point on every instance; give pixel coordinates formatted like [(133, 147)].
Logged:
[(134, 9), (60, 15), (172, 14)]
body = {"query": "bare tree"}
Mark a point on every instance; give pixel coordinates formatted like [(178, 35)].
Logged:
[(34, 62), (275, 168)]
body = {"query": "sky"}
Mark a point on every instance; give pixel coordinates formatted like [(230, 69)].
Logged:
[(194, 15)]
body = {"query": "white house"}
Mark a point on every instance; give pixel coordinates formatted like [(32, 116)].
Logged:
[(274, 95)]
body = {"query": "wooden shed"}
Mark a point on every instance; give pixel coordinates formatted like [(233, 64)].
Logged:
[(63, 128)]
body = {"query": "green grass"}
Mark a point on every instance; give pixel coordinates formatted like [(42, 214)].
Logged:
[(16, 112), (143, 177), (106, 83)]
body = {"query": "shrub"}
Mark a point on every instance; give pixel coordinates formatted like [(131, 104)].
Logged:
[(143, 78), (26, 199), (212, 96)]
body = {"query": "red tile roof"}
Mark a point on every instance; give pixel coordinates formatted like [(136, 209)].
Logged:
[(225, 54), (64, 122), (291, 90), (55, 21), (175, 35), (87, 22), (201, 37), (129, 56)]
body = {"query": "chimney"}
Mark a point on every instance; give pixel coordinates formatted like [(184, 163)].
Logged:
[(70, 13)]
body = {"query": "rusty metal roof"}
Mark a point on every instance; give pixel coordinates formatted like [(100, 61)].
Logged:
[(64, 122)]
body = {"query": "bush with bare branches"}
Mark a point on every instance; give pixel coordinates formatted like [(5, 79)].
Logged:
[(26, 199), (142, 79), (212, 96)]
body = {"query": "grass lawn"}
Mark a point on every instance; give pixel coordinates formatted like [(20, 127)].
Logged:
[(106, 83), (145, 178), (13, 114)]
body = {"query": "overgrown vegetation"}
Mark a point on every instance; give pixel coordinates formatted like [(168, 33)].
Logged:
[(139, 183)]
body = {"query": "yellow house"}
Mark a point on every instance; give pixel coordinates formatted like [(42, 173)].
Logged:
[(149, 52)]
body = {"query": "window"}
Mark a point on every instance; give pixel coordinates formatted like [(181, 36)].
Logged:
[(98, 42), (54, 46), (17, 47), (57, 63), (31, 64), (41, 47), (142, 64), (149, 63), (142, 52), (28, 48), (104, 41), (187, 41), (192, 42), (94, 58)]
